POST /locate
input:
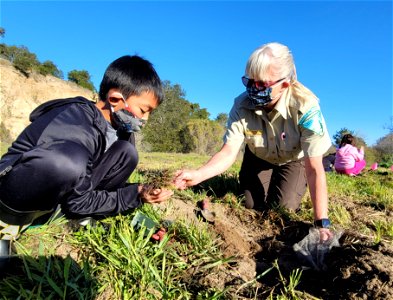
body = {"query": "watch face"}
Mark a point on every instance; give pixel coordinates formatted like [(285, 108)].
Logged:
[(325, 223)]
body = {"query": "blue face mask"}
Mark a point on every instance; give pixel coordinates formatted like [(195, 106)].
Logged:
[(259, 98), (258, 92)]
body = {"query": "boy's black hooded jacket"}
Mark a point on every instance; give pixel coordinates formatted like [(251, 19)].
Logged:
[(75, 120)]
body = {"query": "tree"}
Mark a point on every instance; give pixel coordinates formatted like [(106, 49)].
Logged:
[(339, 135), (24, 60), (4, 51), (390, 126), (81, 78), (384, 149), (202, 136), (198, 113), (343, 131), (166, 122), (49, 68), (21, 58), (385, 144), (165, 130), (222, 119)]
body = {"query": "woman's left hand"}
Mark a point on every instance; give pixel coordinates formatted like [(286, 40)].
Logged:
[(325, 234)]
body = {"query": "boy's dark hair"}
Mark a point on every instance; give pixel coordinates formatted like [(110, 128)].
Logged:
[(348, 139), (132, 75)]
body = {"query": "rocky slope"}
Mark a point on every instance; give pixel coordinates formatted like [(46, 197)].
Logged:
[(19, 95)]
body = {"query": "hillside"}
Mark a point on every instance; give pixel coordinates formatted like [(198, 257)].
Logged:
[(19, 95)]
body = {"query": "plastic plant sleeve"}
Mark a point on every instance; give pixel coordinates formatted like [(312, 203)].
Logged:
[(311, 251)]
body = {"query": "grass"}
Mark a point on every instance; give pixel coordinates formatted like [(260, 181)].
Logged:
[(113, 260)]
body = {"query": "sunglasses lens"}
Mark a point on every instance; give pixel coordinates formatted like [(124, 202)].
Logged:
[(259, 85)]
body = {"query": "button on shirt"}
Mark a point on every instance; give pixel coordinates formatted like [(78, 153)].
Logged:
[(293, 129)]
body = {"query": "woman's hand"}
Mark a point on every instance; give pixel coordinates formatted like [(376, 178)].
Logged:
[(186, 178), (325, 234)]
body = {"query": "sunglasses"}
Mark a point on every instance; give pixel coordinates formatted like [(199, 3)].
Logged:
[(260, 85)]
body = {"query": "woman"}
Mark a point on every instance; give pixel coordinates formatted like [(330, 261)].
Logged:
[(280, 122)]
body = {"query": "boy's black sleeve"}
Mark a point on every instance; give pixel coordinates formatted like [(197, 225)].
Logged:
[(86, 202)]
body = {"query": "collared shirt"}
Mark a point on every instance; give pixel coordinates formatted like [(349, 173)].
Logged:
[(292, 130)]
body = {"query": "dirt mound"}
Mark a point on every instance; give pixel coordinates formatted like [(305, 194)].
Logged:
[(358, 269)]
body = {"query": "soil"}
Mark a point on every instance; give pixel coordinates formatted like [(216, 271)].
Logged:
[(359, 268), (260, 245)]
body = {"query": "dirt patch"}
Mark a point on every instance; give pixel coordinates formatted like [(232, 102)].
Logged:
[(358, 269), (260, 246)]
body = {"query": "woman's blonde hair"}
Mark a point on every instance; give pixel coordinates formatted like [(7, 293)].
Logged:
[(275, 59)]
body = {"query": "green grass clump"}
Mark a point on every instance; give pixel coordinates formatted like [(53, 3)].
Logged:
[(116, 259), (131, 265)]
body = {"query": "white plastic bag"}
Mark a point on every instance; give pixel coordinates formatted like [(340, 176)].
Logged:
[(312, 251)]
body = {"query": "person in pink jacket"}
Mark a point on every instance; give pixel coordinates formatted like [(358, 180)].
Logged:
[(349, 159)]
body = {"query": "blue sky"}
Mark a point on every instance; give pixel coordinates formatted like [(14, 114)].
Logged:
[(342, 49)]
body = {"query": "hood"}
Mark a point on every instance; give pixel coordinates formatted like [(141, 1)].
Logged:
[(49, 105), (344, 150)]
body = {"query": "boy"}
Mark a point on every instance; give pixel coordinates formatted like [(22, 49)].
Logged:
[(79, 154)]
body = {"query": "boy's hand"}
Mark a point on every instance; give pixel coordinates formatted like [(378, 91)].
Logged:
[(149, 195)]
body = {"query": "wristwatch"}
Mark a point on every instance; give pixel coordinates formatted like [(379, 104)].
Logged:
[(322, 223)]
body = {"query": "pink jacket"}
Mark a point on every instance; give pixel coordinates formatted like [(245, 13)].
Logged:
[(347, 156)]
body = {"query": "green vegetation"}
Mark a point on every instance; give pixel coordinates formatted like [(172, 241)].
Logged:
[(27, 62), (381, 152), (180, 126), (202, 136), (81, 78), (113, 260), (49, 68), (384, 150)]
